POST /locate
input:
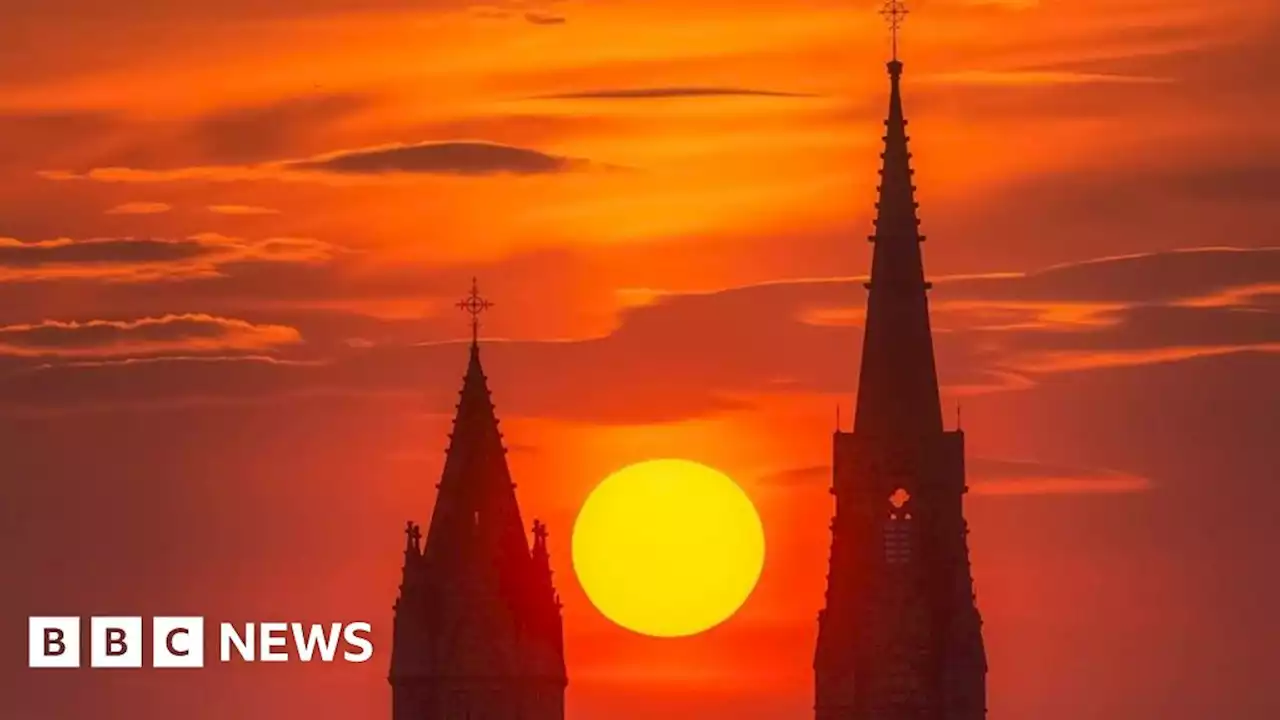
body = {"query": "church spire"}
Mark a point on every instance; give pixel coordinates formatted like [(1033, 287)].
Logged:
[(476, 507), (900, 635), (477, 630), (898, 386)]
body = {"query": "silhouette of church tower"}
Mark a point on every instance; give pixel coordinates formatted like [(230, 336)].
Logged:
[(900, 636), (477, 632)]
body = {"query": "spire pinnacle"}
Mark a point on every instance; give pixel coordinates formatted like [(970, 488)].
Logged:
[(474, 305), (895, 13), (413, 537), (898, 385)]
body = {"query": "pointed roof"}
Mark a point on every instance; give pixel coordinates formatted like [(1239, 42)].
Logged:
[(476, 601), (546, 603), (898, 385), (542, 563), (476, 514)]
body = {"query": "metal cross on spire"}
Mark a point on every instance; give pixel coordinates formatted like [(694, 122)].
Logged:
[(473, 305), (895, 13)]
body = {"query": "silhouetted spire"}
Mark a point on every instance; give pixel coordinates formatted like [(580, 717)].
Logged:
[(900, 635), (898, 385), (477, 629), (476, 509)]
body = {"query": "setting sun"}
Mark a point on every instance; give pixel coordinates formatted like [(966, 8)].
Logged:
[(668, 547)]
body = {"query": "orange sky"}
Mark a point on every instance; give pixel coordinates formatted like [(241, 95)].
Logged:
[(231, 235)]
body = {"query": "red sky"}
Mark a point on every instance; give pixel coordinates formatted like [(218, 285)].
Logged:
[(232, 234)]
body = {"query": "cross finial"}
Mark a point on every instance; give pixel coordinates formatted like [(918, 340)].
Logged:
[(413, 533), (473, 304), (895, 13)]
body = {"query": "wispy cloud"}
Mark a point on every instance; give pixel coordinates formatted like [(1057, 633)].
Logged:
[(440, 158), (994, 476), (542, 18), (242, 210), (1066, 361), (655, 93), (187, 333), (689, 355), (1035, 77), (459, 158), (148, 259), (1005, 4), (140, 208), (999, 477)]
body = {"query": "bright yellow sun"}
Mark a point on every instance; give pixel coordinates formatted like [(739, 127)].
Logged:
[(668, 547)]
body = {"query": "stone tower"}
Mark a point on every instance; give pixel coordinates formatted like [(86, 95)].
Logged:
[(477, 632), (900, 636)]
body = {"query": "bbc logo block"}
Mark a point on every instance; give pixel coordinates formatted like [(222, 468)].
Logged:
[(179, 642), (116, 642), (53, 642)]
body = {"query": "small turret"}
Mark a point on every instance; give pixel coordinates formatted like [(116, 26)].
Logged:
[(545, 592), (413, 539)]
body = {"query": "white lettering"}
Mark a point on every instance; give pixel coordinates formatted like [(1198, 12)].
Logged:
[(315, 637), (272, 637), (352, 636), (230, 637)]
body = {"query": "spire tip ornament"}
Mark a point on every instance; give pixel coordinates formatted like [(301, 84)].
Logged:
[(474, 305), (894, 13)]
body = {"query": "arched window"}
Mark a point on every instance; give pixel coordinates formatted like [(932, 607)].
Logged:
[(897, 529)]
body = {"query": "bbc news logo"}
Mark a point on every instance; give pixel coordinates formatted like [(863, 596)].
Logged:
[(178, 642)]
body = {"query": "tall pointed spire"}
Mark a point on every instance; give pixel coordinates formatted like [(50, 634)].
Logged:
[(477, 628), (898, 386), (900, 635), (476, 508)]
